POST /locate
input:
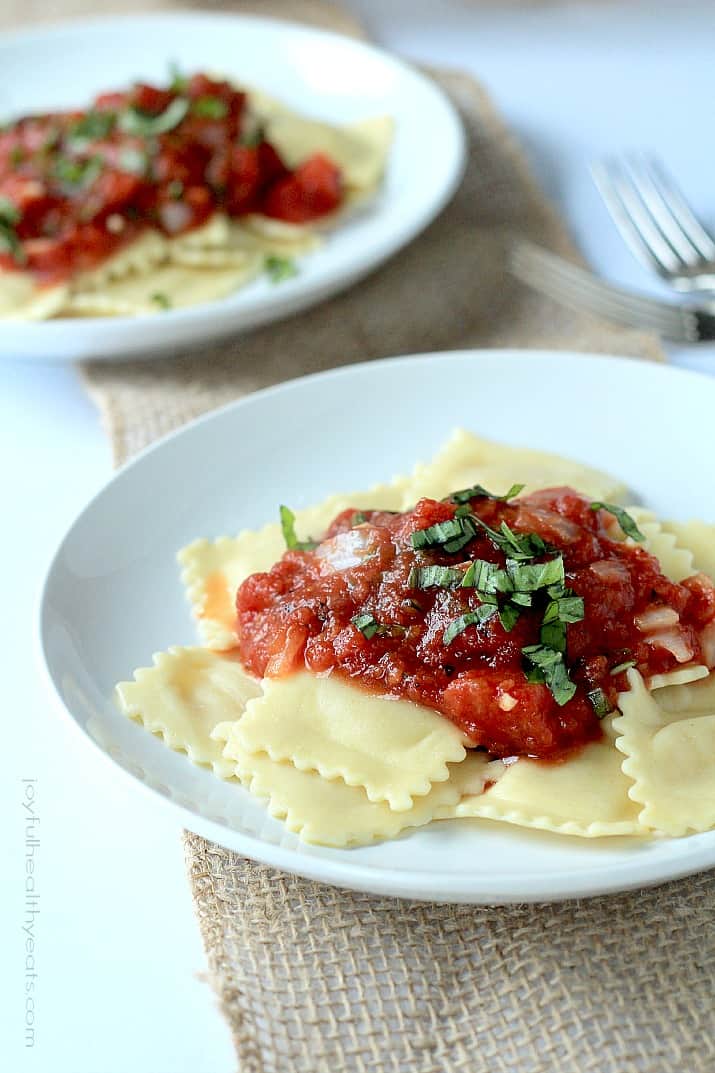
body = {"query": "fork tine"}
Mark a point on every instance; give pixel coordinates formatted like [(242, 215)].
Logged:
[(702, 242), (659, 207), (633, 221), (575, 287)]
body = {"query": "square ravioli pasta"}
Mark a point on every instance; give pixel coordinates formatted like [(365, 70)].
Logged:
[(344, 765)]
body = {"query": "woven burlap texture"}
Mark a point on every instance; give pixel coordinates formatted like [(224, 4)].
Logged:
[(313, 979), (317, 980)]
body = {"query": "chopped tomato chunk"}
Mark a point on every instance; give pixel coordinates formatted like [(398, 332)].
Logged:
[(313, 190)]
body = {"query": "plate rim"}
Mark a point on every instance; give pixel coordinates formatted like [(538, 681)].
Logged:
[(417, 885), (296, 295)]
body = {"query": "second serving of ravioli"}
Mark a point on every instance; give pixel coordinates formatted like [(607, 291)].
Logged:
[(164, 197), (343, 765)]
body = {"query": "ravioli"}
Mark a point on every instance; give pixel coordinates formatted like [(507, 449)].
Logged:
[(466, 459), (344, 767), (184, 696), (670, 754), (394, 749), (332, 813), (587, 795)]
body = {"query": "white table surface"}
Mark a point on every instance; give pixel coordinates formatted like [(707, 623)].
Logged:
[(118, 952)]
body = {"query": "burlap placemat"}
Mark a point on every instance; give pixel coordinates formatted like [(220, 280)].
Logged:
[(314, 979)]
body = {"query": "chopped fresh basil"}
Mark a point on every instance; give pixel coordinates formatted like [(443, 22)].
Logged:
[(514, 545), (482, 575), (289, 535), (478, 492), (358, 518), (559, 612), (521, 545), (553, 635), (175, 189), (522, 599), (135, 121), (509, 616), (52, 139), (78, 172), (620, 667), (209, 108), (179, 82), (429, 577), (547, 665), (533, 576), (10, 216), (623, 518), (470, 618), (91, 127), (451, 535), (279, 269), (250, 139), (569, 608), (134, 161), (161, 299), (600, 703), (367, 625)]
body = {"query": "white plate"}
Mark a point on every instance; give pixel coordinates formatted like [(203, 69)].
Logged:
[(321, 74), (113, 597)]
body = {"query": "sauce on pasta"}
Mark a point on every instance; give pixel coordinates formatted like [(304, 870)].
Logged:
[(516, 617), (75, 187)]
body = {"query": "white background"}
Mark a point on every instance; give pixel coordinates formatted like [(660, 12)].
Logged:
[(118, 950)]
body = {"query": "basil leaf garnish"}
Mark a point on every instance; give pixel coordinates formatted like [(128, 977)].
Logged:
[(452, 535), (367, 624), (601, 705), (279, 269), (626, 522), (78, 172), (533, 576), (521, 599), (209, 108), (289, 534), (509, 616), (9, 213), (551, 670), (10, 216), (91, 127), (179, 82), (477, 491), (470, 618), (135, 121), (429, 577), (553, 635)]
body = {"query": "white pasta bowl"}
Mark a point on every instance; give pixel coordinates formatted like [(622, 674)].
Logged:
[(113, 596), (326, 76)]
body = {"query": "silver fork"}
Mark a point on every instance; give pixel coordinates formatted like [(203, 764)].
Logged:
[(656, 222), (581, 290)]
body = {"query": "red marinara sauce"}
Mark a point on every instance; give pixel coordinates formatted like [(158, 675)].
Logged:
[(77, 186), (366, 604)]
